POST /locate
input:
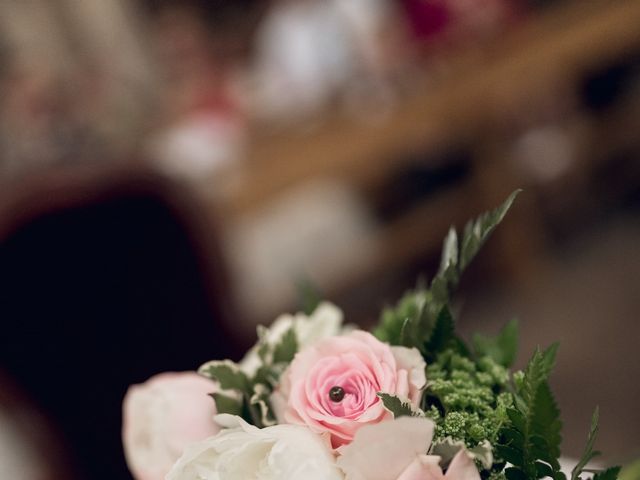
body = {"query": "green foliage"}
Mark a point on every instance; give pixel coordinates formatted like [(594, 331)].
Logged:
[(443, 334), (546, 423), (461, 397), (227, 404), (407, 324), (608, 474), (248, 395), (502, 348), (422, 318), (456, 256), (466, 394), (418, 321), (285, 350), (477, 232), (308, 296), (537, 372), (589, 453), (259, 407), (531, 440), (227, 373), (399, 407)]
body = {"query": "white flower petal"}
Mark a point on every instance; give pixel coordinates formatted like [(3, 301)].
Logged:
[(281, 452), (324, 322), (161, 417), (226, 420)]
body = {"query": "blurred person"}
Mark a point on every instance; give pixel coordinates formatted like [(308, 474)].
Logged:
[(51, 119), (481, 19), (203, 126), (384, 55), (36, 125), (322, 232), (444, 24), (76, 86), (428, 20), (302, 56), (310, 53)]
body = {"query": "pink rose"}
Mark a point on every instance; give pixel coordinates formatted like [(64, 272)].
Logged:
[(162, 416), (396, 450), (332, 385)]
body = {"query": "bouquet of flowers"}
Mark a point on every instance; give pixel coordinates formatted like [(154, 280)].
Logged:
[(316, 399)]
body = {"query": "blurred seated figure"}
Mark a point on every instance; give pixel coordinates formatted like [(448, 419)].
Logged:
[(439, 25), (311, 53), (102, 285), (202, 124)]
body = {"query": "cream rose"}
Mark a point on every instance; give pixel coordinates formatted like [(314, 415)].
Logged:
[(242, 451), (162, 416), (332, 386), (396, 450)]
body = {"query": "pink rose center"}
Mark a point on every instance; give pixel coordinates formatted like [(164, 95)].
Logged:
[(336, 394), (343, 389)]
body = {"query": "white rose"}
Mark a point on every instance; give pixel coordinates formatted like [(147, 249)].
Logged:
[(242, 451), (325, 321), (162, 416)]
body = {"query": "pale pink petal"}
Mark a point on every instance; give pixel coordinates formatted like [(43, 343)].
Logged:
[(424, 467), (384, 450), (462, 467), (161, 417), (410, 360)]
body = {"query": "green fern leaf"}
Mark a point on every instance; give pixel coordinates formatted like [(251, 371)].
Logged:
[(608, 474), (546, 422), (533, 438), (502, 348), (589, 453)]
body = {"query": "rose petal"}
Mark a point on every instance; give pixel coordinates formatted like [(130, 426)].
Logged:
[(383, 451), (424, 467), (462, 467), (162, 416), (410, 360)]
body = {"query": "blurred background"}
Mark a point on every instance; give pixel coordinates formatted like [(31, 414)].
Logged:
[(173, 173)]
